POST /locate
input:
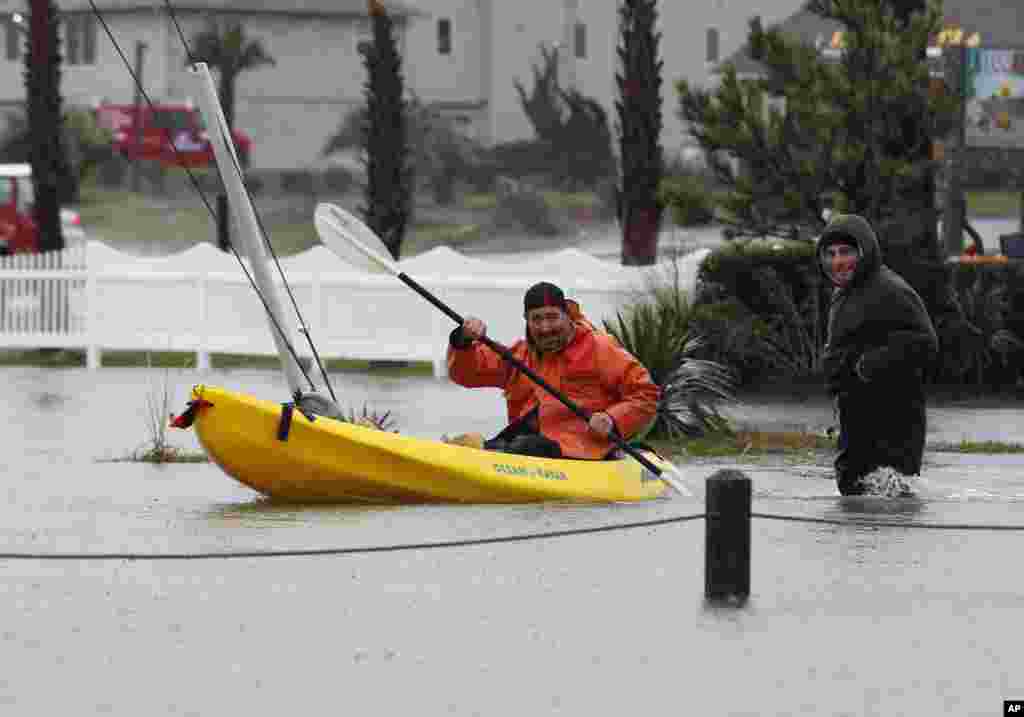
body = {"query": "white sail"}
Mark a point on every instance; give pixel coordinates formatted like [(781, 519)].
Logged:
[(250, 243)]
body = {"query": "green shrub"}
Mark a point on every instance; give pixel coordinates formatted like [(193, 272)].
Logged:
[(732, 335), (687, 198), (426, 236), (524, 158), (732, 264), (88, 146), (523, 207), (762, 307), (794, 341), (996, 357)]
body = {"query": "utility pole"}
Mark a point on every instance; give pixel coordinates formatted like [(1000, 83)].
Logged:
[(140, 49), (956, 203)]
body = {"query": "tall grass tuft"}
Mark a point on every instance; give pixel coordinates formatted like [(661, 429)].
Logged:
[(691, 395), (371, 419), (157, 449), (652, 333)]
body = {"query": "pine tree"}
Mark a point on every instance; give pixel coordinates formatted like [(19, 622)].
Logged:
[(544, 104), (571, 127), (639, 130), (389, 171), (587, 139), (853, 132), (50, 168), (914, 142)]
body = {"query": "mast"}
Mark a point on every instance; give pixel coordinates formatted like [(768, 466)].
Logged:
[(252, 246)]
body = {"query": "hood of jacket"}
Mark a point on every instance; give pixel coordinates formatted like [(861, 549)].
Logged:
[(857, 228)]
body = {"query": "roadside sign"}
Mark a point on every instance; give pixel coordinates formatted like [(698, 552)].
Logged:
[(994, 89)]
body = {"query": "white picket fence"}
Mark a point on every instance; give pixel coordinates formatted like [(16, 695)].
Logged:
[(42, 295), (199, 300)]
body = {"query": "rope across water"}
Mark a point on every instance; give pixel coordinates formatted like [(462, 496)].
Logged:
[(470, 542)]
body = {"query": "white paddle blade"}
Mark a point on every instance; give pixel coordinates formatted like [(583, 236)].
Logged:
[(674, 478), (350, 240)]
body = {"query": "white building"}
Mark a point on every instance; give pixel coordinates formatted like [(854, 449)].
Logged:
[(493, 43), (463, 54)]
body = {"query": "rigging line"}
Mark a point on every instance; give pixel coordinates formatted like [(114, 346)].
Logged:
[(313, 552), (184, 42), (303, 326), (199, 189), (229, 142)]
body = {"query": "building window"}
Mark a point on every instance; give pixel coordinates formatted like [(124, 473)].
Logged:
[(711, 45), (80, 40), (580, 41), (72, 51), (444, 36), (88, 40), (13, 38)]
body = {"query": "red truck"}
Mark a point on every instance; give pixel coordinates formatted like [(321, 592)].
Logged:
[(18, 230), (173, 134)]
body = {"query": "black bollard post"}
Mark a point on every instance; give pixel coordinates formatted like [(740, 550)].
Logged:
[(727, 538)]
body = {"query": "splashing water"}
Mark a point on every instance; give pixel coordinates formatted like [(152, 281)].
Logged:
[(889, 483)]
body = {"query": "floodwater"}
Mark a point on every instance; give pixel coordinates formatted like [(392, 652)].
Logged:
[(859, 606)]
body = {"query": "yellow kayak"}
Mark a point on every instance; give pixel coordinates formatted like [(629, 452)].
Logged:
[(330, 461)]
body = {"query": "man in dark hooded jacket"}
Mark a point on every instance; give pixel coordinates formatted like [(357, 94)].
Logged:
[(880, 341)]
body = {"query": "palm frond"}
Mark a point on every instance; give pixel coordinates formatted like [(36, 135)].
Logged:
[(690, 398)]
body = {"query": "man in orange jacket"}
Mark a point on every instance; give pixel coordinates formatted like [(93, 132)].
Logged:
[(588, 366)]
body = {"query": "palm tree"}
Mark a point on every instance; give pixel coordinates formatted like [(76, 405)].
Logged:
[(389, 170), (225, 46), (639, 110), (46, 149)]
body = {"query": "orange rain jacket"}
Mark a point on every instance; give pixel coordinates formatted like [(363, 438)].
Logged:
[(593, 371)]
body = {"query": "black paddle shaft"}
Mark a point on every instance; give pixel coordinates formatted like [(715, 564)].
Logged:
[(445, 309), (508, 356)]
